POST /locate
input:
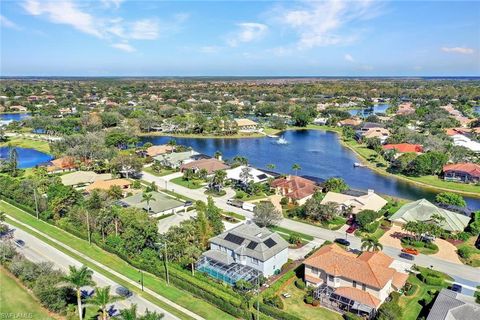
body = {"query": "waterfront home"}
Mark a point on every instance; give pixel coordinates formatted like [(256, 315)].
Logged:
[(422, 210), (464, 121), (464, 141), (244, 253), (160, 204), (18, 108), (245, 174), (105, 185), (357, 201), (158, 150), (210, 165), (361, 282), (462, 172), (404, 147), (296, 189), (61, 165), (374, 132), (246, 125), (451, 305), (80, 178), (320, 121), (176, 159), (352, 122), (405, 108)]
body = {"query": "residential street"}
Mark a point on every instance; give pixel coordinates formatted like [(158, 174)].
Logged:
[(468, 274), (38, 251)]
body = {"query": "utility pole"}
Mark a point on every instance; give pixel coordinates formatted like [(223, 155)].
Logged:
[(36, 200), (141, 278), (88, 228), (166, 263)]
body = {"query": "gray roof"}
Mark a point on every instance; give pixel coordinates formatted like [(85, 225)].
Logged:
[(83, 177), (250, 240), (175, 157), (450, 305), (161, 202), (422, 210)]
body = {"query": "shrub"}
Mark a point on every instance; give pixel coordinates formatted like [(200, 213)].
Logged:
[(464, 252), (300, 284), (274, 301), (411, 289), (308, 299), (433, 281), (351, 316), (315, 303), (284, 201), (240, 194), (276, 313), (294, 239), (371, 227), (464, 236), (431, 245)]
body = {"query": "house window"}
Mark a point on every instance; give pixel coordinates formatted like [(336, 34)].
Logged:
[(331, 278), (254, 261), (354, 284), (364, 287), (314, 270)]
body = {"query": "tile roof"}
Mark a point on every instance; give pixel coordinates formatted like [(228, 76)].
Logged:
[(156, 150), (370, 268), (370, 201), (358, 295), (107, 184), (399, 280), (245, 122), (403, 147), (472, 169), (298, 187), (454, 306), (211, 165)]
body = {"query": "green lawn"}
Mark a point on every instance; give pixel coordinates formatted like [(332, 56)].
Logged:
[(191, 184), (42, 146), (474, 259), (434, 181), (16, 300), (289, 232), (163, 172), (152, 282)]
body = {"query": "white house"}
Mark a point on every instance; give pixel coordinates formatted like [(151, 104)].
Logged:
[(242, 173)]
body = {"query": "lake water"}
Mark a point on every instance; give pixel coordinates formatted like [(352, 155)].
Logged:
[(27, 158), (14, 116), (377, 108), (319, 153)]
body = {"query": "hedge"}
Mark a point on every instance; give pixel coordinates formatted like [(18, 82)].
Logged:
[(276, 313)]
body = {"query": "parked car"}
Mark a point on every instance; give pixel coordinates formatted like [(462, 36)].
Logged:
[(342, 241), (235, 203), (407, 256), (123, 292), (352, 229), (19, 243), (248, 206), (456, 287), (410, 251)]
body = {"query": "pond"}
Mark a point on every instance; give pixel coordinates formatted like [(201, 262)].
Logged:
[(27, 158), (14, 116), (377, 108), (319, 154)]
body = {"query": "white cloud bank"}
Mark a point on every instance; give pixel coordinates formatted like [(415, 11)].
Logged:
[(247, 32), (461, 50)]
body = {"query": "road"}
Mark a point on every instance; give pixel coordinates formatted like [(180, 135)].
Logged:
[(38, 251), (467, 274)]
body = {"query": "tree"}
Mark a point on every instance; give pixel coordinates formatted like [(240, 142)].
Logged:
[(320, 212), (450, 198), (3, 227), (218, 179), (371, 244), (240, 160), (79, 278), (217, 155), (265, 214), (126, 164), (147, 197), (131, 314), (296, 167), (271, 166), (102, 299), (192, 253), (301, 117), (348, 133), (13, 160), (389, 311), (245, 175), (335, 185)]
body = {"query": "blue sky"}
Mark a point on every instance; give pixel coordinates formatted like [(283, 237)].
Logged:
[(263, 38)]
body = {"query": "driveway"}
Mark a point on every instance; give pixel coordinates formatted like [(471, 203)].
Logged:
[(174, 220), (446, 251), (300, 253), (392, 237)]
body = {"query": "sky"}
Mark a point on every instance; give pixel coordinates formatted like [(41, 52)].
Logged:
[(239, 38)]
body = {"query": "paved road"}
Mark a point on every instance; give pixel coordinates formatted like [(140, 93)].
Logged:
[(38, 251), (468, 274)]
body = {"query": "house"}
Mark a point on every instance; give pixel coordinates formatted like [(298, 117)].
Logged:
[(362, 282), (61, 165), (405, 109), (176, 159), (462, 172), (464, 121), (451, 305), (246, 125), (79, 178), (18, 108), (464, 141), (157, 150), (124, 184), (352, 122), (244, 253), (320, 121), (404, 147), (374, 132), (422, 210), (237, 174), (160, 204), (358, 201), (210, 165), (295, 188)]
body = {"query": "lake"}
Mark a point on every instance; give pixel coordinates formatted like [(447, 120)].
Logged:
[(377, 108), (319, 153), (27, 158), (14, 116)]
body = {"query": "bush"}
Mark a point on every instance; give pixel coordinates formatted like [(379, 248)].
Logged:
[(365, 217), (464, 236), (371, 227), (284, 201), (315, 303), (410, 289), (433, 281), (464, 252), (308, 299), (276, 313), (300, 284), (239, 194), (274, 301), (351, 316), (294, 239)]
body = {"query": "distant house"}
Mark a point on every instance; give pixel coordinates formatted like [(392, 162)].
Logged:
[(160, 204), (210, 165), (18, 108), (320, 121), (358, 202), (352, 122), (61, 165), (176, 159), (450, 305), (360, 283), (422, 210), (405, 108), (124, 184), (157, 150), (375, 132), (464, 141), (255, 175), (246, 125), (295, 188), (462, 172), (79, 178), (244, 253), (404, 147)]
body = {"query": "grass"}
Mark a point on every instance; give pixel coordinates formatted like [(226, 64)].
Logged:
[(474, 259), (41, 146), (376, 235), (152, 282), (190, 184), (434, 181), (205, 136), (290, 232), (234, 215), (296, 306), (16, 300), (163, 172)]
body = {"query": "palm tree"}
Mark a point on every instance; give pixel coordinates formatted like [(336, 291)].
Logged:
[(13, 159), (147, 197), (192, 253), (296, 167), (217, 155), (218, 178), (79, 278), (131, 314), (102, 299), (371, 244), (240, 160), (271, 166)]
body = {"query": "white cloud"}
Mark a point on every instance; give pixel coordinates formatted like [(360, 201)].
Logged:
[(324, 23), (112, 3), (349, 57), (7, 23), (248, 32), (145, 29), (210, 49), (461, 50), (124, 46)]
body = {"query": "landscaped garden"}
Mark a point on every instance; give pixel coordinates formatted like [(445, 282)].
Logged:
[(190, 183)]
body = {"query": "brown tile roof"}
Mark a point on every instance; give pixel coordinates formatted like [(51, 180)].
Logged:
[(470, 168), (156, 150), (211, 165), (350, 122), (245, 122), (399, 280), (62, 164), (358, 295), (404, 147), (298, 187), (370, 268), (107, 184)]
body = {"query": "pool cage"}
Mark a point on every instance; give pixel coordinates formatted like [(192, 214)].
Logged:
[(229, 273), (328, 298)]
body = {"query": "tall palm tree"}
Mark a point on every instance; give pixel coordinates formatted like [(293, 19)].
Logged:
[(371, 244), (296, 167), (193, 253), (102, 299), (79, 278), (13, 159), (147, 197), (217, 155), (131, 314), (218, 178)]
